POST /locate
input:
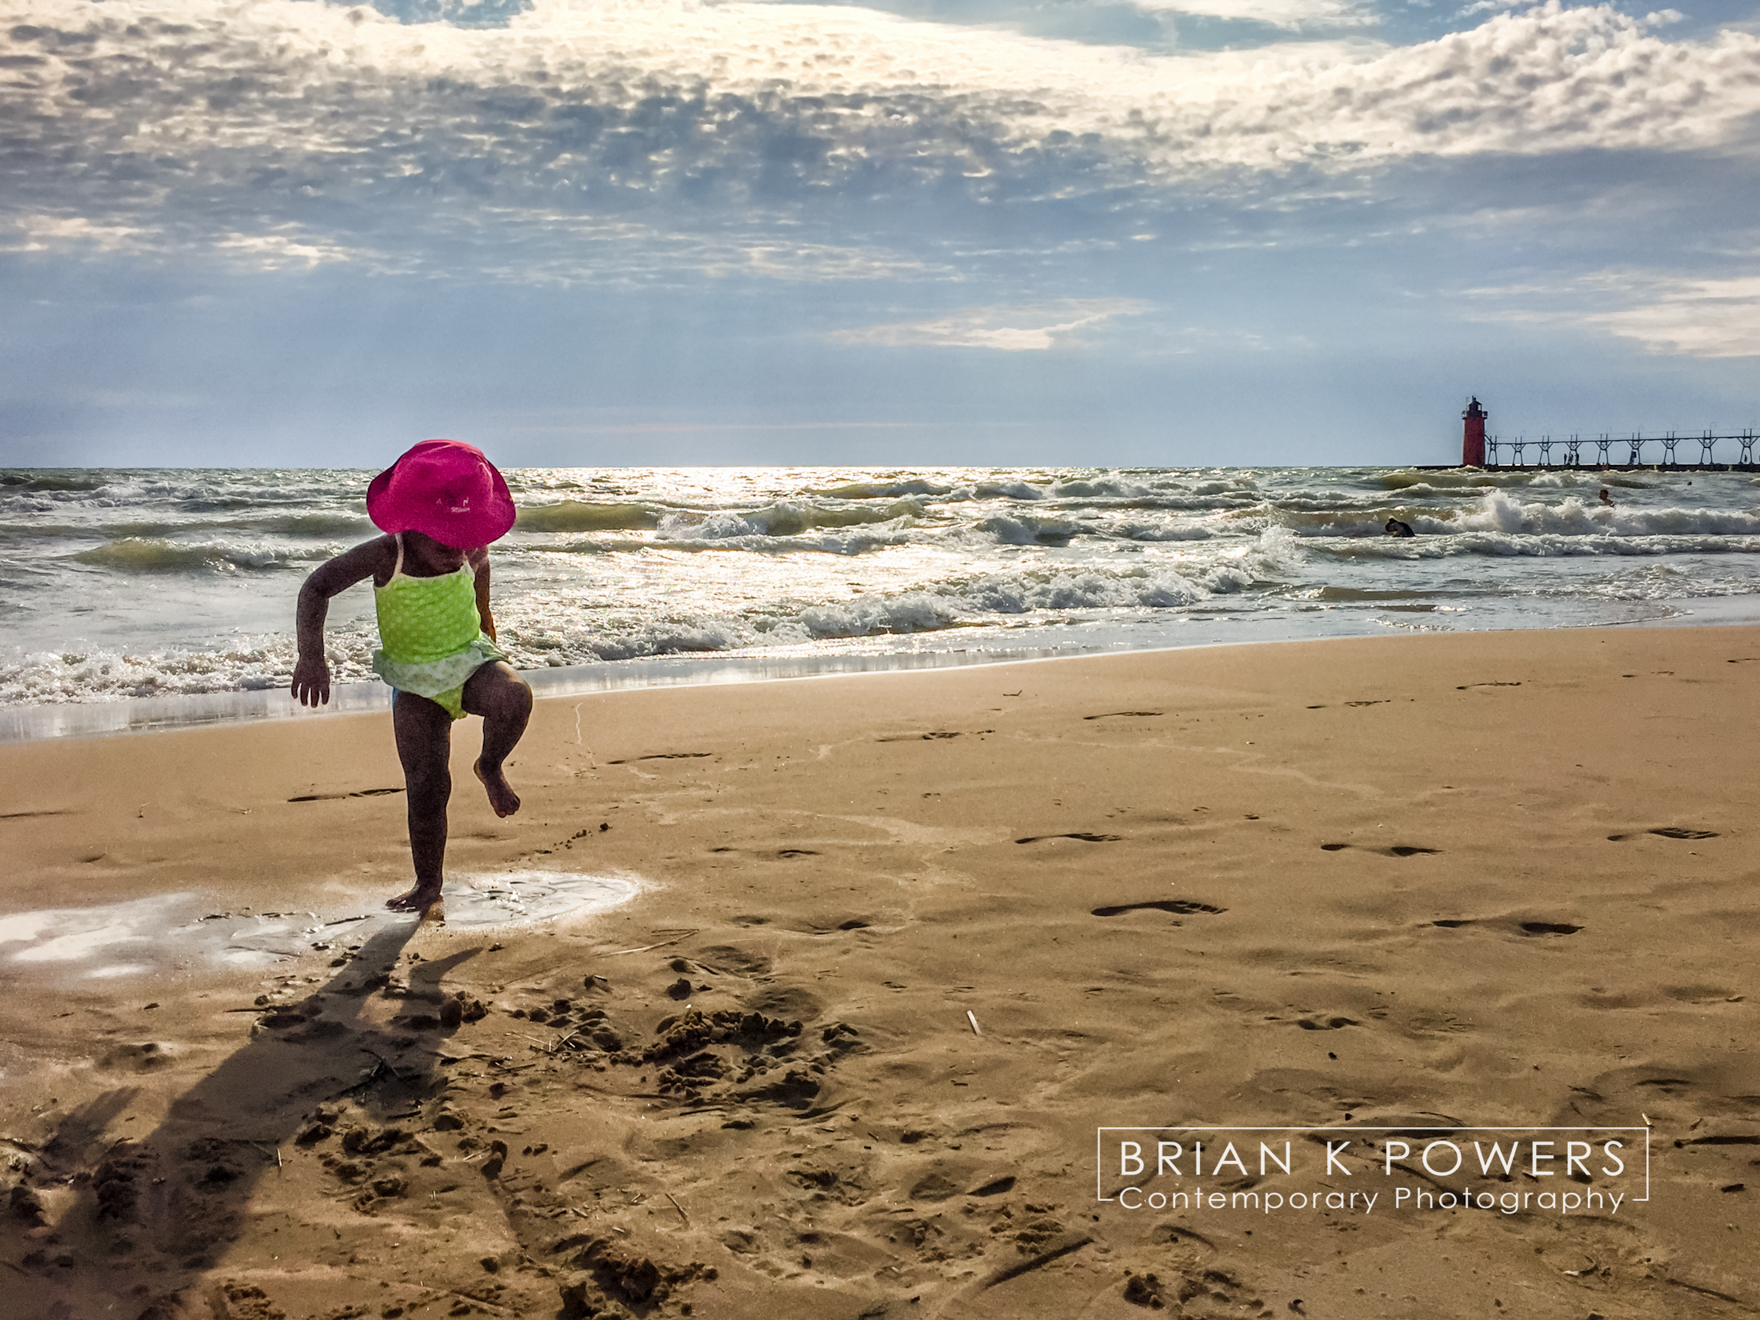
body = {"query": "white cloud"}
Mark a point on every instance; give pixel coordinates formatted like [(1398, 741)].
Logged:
[(1668, 314), (1030, 328), (610, 139), (1695, 318), (48, 233), (1292, 15)]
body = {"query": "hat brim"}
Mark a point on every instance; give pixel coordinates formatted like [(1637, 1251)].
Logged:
[(420, 492)]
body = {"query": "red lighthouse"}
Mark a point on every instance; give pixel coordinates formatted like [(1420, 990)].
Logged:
[(1473, 438)]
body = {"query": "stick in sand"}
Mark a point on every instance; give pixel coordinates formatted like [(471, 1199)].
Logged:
[(972, 1018)]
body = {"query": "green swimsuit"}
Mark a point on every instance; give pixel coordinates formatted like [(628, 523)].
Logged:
[(431, 635)]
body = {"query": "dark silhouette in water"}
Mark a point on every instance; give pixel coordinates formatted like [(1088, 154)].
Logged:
[(1397, 528)]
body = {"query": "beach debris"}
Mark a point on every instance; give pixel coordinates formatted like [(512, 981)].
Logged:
[(679, 989), (663, 944), (973, 1019)]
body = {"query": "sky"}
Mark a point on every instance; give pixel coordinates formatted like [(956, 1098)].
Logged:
[(909, 232)]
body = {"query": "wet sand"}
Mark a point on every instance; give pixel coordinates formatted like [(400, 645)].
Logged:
[(890, 950)]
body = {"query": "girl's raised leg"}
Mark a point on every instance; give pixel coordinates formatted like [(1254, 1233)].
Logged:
[(504, 701), (424, 745)]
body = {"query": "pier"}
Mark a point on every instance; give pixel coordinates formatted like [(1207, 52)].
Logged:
[(1659, 452)]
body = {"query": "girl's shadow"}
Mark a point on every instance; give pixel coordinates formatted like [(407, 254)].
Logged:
[(154, 1213)]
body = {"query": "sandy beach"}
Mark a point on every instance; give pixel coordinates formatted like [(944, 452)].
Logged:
[(875, 961)]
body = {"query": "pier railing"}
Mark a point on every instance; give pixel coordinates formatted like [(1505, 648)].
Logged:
[(1634, 451)]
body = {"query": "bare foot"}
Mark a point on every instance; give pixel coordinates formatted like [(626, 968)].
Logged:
[(419, 899), (501, 794)]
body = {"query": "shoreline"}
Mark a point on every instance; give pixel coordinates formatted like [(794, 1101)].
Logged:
[(50, 721), (937, 934)]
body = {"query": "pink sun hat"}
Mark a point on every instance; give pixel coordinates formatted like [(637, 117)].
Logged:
[(445, 489)]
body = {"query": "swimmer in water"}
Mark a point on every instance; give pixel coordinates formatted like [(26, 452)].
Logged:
[(440, 505)]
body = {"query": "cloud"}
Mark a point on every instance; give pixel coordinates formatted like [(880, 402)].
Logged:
[(620, 140), (1668, 314), (1694, 318), (1292, 15), (1022, 329)]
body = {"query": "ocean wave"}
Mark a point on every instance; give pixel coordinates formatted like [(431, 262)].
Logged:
[(14, 483), (1161, 531), (1452, 479), (1001, 490), (884, 490), (354, 525), (156, 555), (583, 516), (537, 644), (786, 518), (317, 526), (1085, 488), (1186, 503), (58, 678), (1499, 511), (607, 566), (865, 616), (668, 641), (991, 596), (1023, 529), (1533, 545), (853, 541)]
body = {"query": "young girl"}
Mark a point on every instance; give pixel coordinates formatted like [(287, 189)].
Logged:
[(441, 504)]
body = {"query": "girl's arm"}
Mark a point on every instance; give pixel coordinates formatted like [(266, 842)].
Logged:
[(480, 558), (311, 672)]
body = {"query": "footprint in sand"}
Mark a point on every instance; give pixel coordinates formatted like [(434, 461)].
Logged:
[(332, 797), (1180, 906), (928, 737), (1526, 927)]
